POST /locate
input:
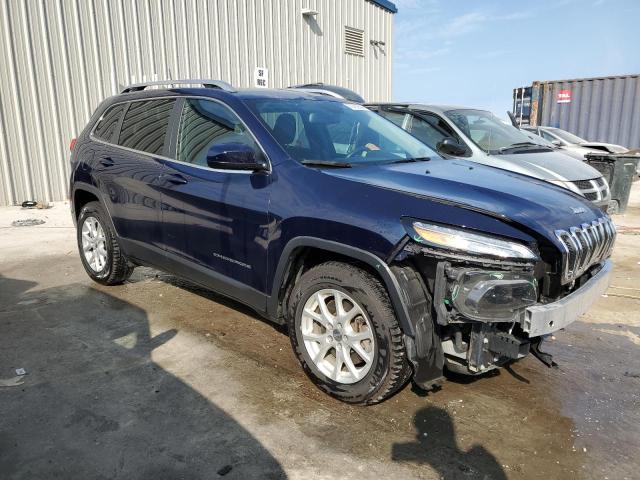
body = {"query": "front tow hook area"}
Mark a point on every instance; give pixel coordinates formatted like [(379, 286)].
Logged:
[(544, 357)]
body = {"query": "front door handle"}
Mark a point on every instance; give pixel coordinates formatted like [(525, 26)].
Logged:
[(107, 161), (177, 179)]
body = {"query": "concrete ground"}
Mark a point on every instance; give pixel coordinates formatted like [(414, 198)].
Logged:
[(160, 379)]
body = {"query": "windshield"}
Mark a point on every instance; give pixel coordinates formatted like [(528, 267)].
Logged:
[(488, 132), (566, 136), (322, 130)]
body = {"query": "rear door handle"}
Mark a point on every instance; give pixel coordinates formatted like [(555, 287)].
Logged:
[(177, 179), (107, 161)]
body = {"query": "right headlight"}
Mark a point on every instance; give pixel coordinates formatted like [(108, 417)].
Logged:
[(467, 242), (494, 296)]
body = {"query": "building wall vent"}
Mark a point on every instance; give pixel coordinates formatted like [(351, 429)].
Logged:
[(353, 41)]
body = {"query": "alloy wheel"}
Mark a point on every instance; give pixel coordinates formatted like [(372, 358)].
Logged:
[(337, 336), (94, 245)]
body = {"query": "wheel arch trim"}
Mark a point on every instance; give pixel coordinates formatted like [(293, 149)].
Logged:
[(85, 187), (380, 266)]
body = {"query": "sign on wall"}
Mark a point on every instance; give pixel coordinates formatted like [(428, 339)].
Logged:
[(564, 96), (261, 77)]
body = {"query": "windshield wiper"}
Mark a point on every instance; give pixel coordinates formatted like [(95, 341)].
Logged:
[(326, 163), (411, 160), (523, 145)]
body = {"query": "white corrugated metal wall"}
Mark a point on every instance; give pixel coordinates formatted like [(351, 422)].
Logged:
[(60, 58)]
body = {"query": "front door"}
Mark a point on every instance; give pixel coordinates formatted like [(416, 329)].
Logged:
[(216, 219)]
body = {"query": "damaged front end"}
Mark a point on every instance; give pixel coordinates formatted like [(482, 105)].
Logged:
[(488, 301), (481, 312)]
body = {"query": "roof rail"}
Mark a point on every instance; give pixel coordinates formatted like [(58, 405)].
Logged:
[(219, 84)]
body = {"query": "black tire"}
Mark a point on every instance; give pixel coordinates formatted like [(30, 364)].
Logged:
[(116, 269), (390, 368)]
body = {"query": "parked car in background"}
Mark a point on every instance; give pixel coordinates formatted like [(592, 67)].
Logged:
[(385, 261), (331, 90), (480, 136), (572, 143)]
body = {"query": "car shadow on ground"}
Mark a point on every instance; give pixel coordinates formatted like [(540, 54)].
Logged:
[(95, 405), (436, 446)]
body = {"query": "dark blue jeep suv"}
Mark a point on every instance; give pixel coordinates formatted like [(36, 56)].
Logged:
[(386, 261)]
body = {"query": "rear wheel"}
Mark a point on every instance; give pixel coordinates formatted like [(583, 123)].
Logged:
[(345, 334), (100, 252)]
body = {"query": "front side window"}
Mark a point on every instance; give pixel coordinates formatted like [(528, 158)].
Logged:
[(336, 132), (145, 125), (395, 117), (106, 126), (431, 130), (205, 123)]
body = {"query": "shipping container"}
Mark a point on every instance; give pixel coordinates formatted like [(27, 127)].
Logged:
[(603, 109), (60, 58)]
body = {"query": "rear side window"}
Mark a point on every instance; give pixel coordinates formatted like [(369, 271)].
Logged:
[(106, 126), (145, 125), (203, 124)]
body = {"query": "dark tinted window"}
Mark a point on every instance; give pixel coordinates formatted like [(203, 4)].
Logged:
[(203, 124), (431, 130), (108, 123), (145, 125), (395, 117)]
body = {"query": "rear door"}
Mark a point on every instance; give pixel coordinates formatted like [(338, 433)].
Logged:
[(131, 166), (216, 219)]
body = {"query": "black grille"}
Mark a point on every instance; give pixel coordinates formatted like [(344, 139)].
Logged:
[(591, 196), (593, 190), (583, 184)]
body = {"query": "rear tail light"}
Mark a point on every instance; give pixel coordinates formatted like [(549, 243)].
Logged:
[(72, 144)]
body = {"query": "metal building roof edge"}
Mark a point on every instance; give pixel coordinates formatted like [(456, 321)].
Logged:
[(386, 4)]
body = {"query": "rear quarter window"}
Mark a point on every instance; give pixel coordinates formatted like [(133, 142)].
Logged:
[(108, 123), (145, 125)]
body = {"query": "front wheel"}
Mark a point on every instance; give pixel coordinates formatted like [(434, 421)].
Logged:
[(345, 334), (99, 249)]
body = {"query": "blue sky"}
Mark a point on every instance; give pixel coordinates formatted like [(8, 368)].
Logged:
[(474, 52)]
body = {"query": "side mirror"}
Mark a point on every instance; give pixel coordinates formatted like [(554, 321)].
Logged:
[(449, 146), (234, 156), (557, 143)]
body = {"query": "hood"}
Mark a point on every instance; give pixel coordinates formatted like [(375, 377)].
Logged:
[(549, 166), (538, 205), (606, 147)]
